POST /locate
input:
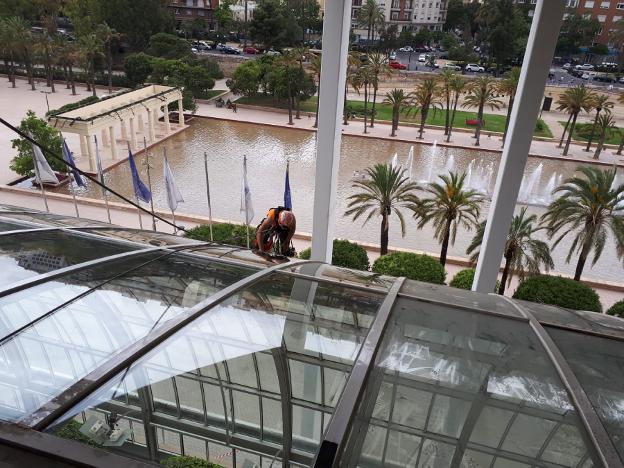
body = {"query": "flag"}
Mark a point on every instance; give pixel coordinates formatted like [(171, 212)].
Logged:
[(287, 199), (410, 162), (43, 171), (173, 194), (246, 206), (140, 189), (394, 162), (69, 159), (98, 163)]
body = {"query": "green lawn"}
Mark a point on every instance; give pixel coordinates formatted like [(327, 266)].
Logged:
[(583, 130), (211, 93), (493, 122)]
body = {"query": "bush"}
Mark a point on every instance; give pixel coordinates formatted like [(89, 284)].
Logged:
[(71, 430), (558, 291), (412, 266), (138, 67), (345, 254), (617, 309), (463, 279), (73, 105), (187, 462), (223, 233)]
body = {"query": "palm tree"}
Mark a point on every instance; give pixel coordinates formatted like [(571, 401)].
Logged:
[(300, 53), (378, 65), (90, 51), (508, 87), (386, 190), (621, 101), (589, 205), (19, 29), (315, 65), (458, 86), (371, 14), (288, 60), (108, 36), (363, 79), (446, 83), (601, 102), (8, 48), (449, 206), (44, 46), (573, 101), (400, 101), (353, 64), (426, 97), (523, 254), (605, 123), (481, 93)]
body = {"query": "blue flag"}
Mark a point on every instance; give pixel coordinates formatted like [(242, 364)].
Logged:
[(287, 199), (69, 159), (140, 189)]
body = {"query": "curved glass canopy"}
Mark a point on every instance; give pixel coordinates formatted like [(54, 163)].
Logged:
[(154, 346)]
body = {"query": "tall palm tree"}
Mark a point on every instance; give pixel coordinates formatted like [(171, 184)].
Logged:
[(371, 14), (378, 65), (508, 87), (447, 77), (523, 254), (363, 79), (387, 189), (601, 102), (449, 206), (605, 123), (573, 101), (109, 37), (90, 51), (481, 93), (44, 46), (353, 64), (315, 65), (288, 60), (23, 44), (426, 97), (588, 207), (300, 53), (458, 86), (620, 99), (400, 101), (8, 48)]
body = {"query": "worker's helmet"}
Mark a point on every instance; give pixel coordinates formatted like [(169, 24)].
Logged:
[(286, 219)]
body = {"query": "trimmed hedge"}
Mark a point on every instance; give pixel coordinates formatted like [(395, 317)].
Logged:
[(345, 254), (463, 279), (558, 291), (224, 233), (617, 309), (185, 461), (412, 266), (73, 105)]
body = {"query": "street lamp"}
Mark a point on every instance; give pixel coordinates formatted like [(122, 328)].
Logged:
[(46, 95)]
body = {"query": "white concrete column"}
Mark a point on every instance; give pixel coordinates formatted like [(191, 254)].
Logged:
[(180, 112), (141, 127), (124, 131), (133, 142), (537, 59), (84, 152), (113, 140), (167, 123), (91, 153), (150, 124), (336, 25), (104, 137)]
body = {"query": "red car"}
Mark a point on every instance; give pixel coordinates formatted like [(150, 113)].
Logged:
[(397, 65), (251, 50)]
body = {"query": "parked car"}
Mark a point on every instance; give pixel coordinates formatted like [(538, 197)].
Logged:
[(220, 46), (452, 66), (422, 58), (272, 52), (194, 50), (397, 65), (251, 50), (407, 49), (230, 51), (585, 66), (473, 67), (392, 55), (567, 66), (604, 78)]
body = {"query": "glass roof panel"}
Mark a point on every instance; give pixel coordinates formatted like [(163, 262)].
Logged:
[(344, 275), (449, 385), (599, 366), (281, 336), (6, 225), (29, 254), (45, 358), (51, 219), (143, 237)]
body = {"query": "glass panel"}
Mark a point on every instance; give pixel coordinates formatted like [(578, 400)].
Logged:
[(344, 275), (276, 321), (461, 381), (143, 237), (51, 219), (30, 254), (599, 366), (45, 358), (6, 225)]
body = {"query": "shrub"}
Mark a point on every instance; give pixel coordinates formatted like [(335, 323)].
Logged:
[(187, 462), (345, 254), (138, 67), (412, 266), (224, 233), (71, 430), (558, 291), (73, 105), (617, 309), (463, 279)]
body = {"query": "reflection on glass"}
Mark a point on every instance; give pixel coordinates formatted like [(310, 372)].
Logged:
[(458, 388), (157, 239), (45, 358), (345, 275), (6, 225), (51, 219), (243, 356)]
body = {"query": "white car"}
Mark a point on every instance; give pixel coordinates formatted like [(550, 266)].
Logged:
[(392, 55), (621, 80), (220, 46), (272, 53), (194, 50), (452, 66), (567, 66), (407, 49), (422, 58), (585, 66), (473, 67)]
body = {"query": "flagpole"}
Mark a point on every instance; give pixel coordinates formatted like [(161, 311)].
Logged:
[(149, 183), (38, 179), (175, 227), (101, 174), (136, 198), (208, 195), (246, 207), (71, 185)]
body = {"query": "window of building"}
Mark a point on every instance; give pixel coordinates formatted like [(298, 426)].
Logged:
[(395, 4), (189, 12), (620, 6), (394, 15), (602, 18), (605, 5), (201, 12), (616, 19), (589, 4), (189, 3)]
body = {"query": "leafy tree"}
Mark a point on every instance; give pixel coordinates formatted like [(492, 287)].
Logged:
[(246, 78), (458, 86), (448, 207), (426, 97), (138, 67), (509, 86), (422, 36), (223, 14), (463, 54), (601, 102), (90, 50), (168, 46), (406, 38), (389, 38), (605, 123), (49, 137), (273, 25), (573, 101), (371, 17), (588, 206), (385, 190), (523, 254), (84, 14), (109, 38), (457, 16), (576, 31), (307, 13), (617, 309), (400, 101), (67, 53), (481, 93)]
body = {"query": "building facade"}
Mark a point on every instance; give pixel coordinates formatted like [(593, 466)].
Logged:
[(607, 12), (191, 10)]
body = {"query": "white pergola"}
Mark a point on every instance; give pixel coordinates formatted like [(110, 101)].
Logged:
[(538, 56), (121, 111)]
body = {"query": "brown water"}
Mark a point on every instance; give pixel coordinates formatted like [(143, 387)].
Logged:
[(268, 149)]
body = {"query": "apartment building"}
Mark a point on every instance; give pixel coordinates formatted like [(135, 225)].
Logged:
[(189, 10), (607, 12)]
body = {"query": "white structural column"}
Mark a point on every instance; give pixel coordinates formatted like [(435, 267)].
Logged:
[(141, 127), (180, 112), (83, 146), (133, 142), (336, 25), (150, 124), (104, 137), (537, 59), (167, 123), (113, 141), (91, 153), (124, 132)]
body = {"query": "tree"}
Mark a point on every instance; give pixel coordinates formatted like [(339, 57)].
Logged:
[(378, 65), (353, 64), (307, 13), (84, 15), (573, 101), (274, 25), (23, 45), (370, 16), (138, 68), (389, 38), (68, 56), (458, 86), (508, 87), (283, 80), (49, 137), (576, 31), (9, 48), (362, 79), (400, 101), (223, 15), (589, 205), (426, 97), (384, 191), (168, 46), (523, 254), (621, 146), (481, 93), (109, 37), (447, 77), (246, 78), (449, 207), (90, 52), (601, 101), (606, 123), (456, 16), (315, 66), (422, 36)]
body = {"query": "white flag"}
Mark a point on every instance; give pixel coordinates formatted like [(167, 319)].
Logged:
[(43, 171), (394, 162), (173, 194), (410, 162), (246, 205)]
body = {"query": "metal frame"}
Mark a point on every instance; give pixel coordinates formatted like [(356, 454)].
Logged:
[(334, 437)]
